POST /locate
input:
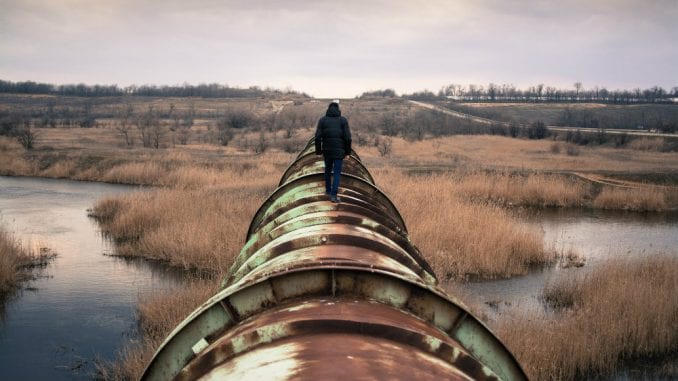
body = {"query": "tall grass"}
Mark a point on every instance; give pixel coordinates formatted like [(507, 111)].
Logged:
[(192, 229), (198, 221), (532, 190), (636, 199), (11, 254), (625, 309), (16, 260), (142, 173), (461, 238), (647, 144), (12, 162)]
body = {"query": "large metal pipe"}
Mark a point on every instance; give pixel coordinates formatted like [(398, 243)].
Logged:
[(331, 292)]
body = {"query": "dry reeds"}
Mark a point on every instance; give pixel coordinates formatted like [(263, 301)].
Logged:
[(12, 162), (461, 238), (198, 221), (10, 254), (625, 309), (142, 173), (532, 190), (158, 314), (636, 199), (16, 260), (191, 229), (647, 144)]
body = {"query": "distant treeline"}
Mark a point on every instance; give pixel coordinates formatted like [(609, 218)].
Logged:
[(212, 90), (538, 93)]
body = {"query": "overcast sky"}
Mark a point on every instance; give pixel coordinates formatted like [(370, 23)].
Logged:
[(341, 48)]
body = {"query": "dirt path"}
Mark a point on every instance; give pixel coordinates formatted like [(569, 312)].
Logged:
[(278, 106), (457, 113), (603, 180)]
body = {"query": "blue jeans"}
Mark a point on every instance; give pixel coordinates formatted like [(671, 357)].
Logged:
[(332, 167)]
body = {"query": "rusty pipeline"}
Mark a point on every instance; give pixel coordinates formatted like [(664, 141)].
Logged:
[(332, 292)]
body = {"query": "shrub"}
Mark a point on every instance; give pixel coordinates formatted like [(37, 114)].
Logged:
[(555, 148), (572, 150), (647, 144)]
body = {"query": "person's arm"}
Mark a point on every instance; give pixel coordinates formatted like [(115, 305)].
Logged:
[(318, 138), (347, 137)]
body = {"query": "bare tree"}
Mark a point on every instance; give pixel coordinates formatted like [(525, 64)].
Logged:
[(540, 90), (389, 125), (384, 146), (262, 143), (148, 125), (239, 118), (26, 135), (183, 134), (577, 86), (124, 126), (157, 134)]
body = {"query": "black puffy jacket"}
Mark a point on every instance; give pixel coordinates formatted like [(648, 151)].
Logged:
[(333, 136)]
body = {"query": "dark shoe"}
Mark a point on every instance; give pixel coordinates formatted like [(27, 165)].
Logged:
[(335, 199)]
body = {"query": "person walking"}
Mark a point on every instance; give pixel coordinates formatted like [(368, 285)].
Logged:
[(333, 141)]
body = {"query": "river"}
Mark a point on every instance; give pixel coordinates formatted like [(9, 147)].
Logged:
[(82, 307)]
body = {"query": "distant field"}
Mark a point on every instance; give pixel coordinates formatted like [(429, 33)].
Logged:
[(110, 107), (582, 114)]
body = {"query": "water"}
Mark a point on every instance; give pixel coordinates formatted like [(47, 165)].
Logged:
[(596, 235), (82, 306)]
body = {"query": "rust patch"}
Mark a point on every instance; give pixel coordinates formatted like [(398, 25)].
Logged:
[(473, 368), (398, 334)]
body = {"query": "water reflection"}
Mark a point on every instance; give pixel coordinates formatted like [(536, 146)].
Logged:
[(594, 234), (84, 304)]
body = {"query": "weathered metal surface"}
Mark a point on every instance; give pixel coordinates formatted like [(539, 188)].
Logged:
[(311, 163), (310, 188), (329, 339), (331, 291)]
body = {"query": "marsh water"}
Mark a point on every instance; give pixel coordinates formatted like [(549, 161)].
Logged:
[(81, 308), (82, 305), (596, 235)]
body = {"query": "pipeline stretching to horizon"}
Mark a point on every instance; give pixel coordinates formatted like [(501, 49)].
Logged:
[(331, 291)]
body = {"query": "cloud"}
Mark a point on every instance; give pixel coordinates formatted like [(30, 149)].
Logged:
[(323, 46)]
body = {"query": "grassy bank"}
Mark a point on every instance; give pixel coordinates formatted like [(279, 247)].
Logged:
[(16, 261), (635, 199), (459, 237), (563, 191), (626, 309), (199, 222), (192, 229)]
